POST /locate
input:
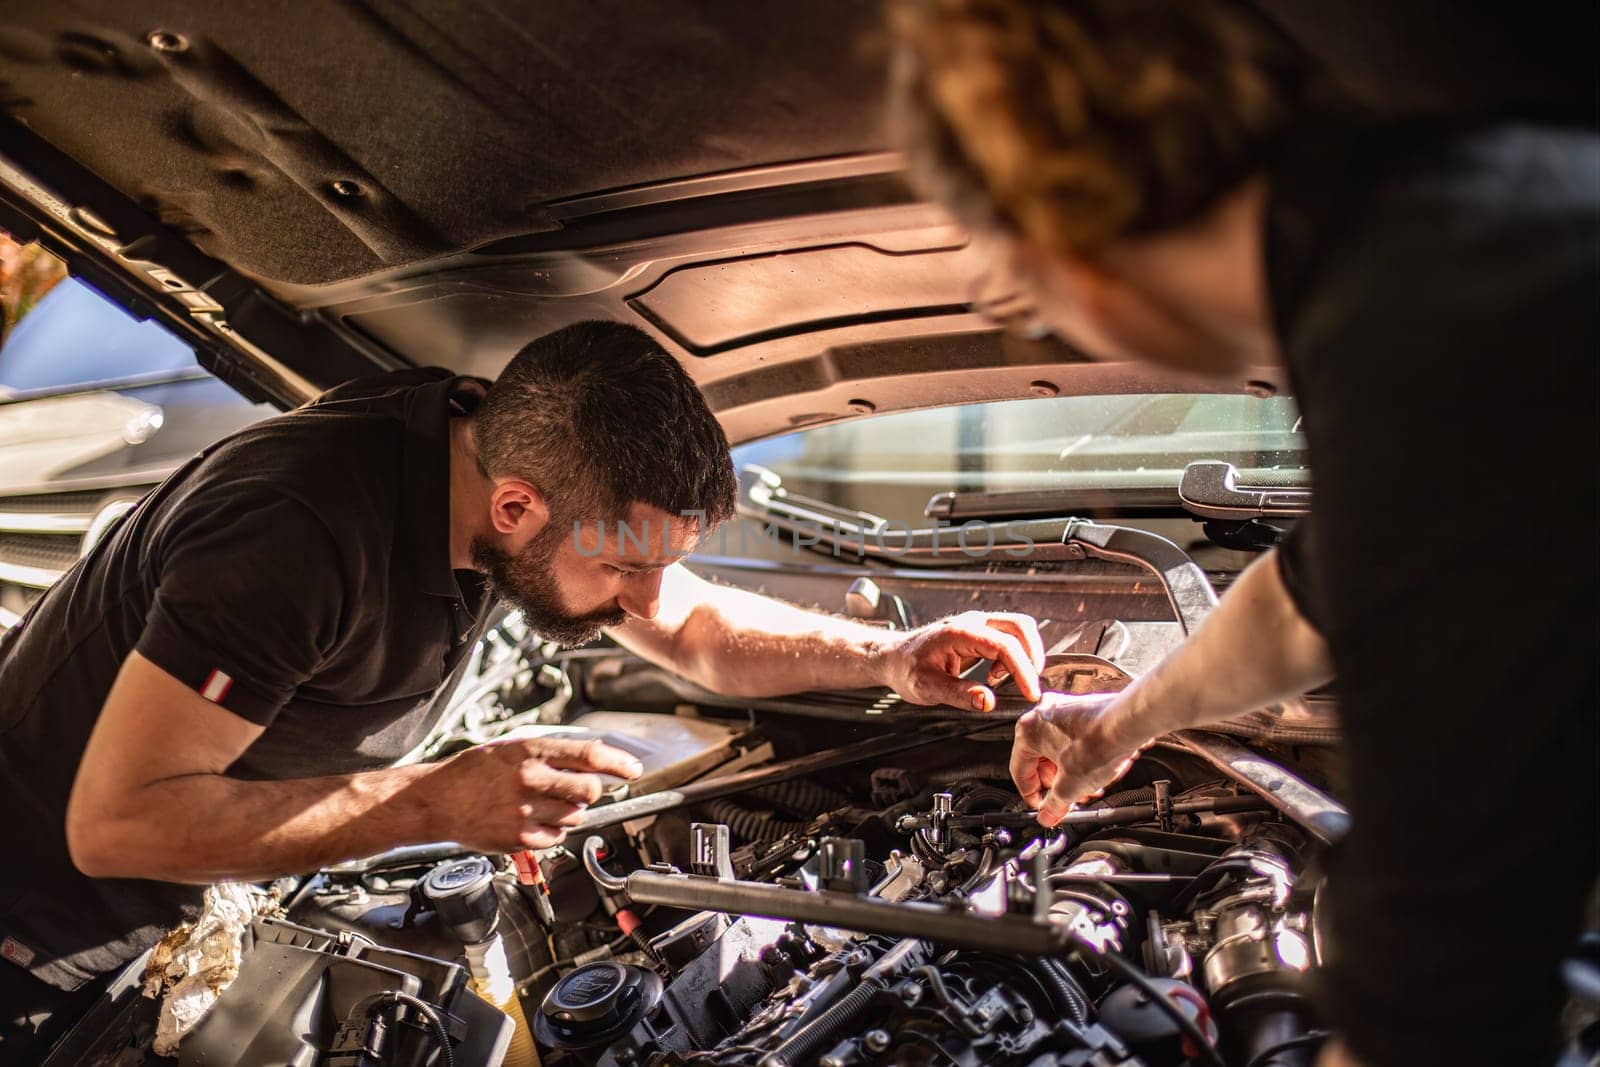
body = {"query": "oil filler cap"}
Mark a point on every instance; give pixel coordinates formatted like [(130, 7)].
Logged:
[(595, 1005), (462, 894)]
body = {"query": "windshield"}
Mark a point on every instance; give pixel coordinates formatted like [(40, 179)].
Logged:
[(890, 465)]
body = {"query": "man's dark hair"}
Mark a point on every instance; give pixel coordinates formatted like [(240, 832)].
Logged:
[(598, 416), (1080, 122)]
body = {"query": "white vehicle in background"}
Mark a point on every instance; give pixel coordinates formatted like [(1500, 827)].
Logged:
[(95, 409)]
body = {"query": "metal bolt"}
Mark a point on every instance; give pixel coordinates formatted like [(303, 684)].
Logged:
[(910, 994), (90, 221), (167, 41), (345, 187), (876, 1041)]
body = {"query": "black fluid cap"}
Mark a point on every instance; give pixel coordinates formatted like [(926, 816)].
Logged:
[(595, 1005), (462, 894)]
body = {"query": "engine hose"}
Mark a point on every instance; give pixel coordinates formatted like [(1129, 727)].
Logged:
[(800, 797), (1067, 994), (807, 1043), (1000, 771), (629, 923), (1276, 733), (979, 793), (1206, 879), (1142, 795), (751, 825), (925, 853)]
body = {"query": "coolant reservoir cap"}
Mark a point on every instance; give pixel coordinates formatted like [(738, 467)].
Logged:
[(462, 893), (595, 1004)]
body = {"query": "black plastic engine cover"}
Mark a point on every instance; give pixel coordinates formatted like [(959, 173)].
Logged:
[(295, 988)]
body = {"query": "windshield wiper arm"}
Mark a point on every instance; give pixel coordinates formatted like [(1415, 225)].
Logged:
[(1210, 489), (764, 489)]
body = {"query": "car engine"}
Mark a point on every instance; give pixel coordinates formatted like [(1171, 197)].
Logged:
[(886, 901), (831, 879), (936, 923)]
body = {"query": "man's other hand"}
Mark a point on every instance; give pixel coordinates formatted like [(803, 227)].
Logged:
[(525, 793), (1066, 751), (926, 664)]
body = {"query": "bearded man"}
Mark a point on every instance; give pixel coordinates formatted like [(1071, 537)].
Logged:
[(220, 689)]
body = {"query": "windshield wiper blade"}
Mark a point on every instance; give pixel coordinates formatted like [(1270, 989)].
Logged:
[(1122, 499), (1207, 489)]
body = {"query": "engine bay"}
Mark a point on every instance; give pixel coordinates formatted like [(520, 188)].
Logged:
[(923, 919), (1169, 922), (829, 879)]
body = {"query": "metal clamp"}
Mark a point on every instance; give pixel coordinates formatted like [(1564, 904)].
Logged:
[(842, 864), (939, 822), (710, 852)]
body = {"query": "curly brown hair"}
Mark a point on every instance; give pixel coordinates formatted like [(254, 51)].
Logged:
[(1078, 122)]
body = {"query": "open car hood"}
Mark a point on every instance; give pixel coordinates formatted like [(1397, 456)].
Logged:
[(308, 193)]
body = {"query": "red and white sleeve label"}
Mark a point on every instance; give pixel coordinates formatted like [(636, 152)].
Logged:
[(216, 686), (15, 951)]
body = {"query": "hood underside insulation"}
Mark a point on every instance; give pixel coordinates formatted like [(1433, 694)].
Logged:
[(314, 142)]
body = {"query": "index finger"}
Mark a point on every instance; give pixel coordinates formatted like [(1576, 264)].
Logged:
[(1027, 677), (1026, 629), (592, 754), (1007, 652)]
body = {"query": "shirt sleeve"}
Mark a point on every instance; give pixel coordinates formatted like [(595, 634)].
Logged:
[(248, 600)]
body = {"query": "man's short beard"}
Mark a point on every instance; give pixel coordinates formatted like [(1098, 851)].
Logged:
[(527, 582)]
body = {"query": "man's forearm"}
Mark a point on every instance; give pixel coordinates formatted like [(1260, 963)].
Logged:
[(204, 828), (743, 644), (1254, 649)]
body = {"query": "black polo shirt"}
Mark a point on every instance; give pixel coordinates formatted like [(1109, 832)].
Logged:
[(296, 574), (1435, 293)]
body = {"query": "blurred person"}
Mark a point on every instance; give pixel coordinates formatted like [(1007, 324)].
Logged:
[(1171, 182)]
